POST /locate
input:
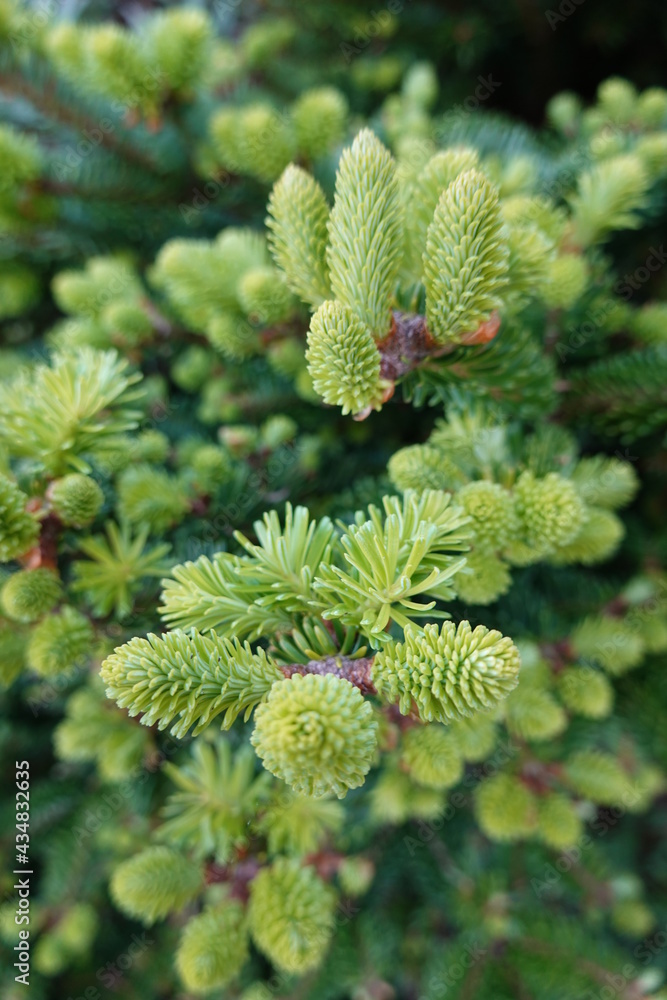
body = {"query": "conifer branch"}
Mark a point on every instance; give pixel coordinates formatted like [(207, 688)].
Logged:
[(45, 99), (356, 671)]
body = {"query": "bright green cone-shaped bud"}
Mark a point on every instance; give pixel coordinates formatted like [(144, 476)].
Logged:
[(597, 540), (531, 253), (448, 671), (151, 497), (286, 357), (213, 948), (652, 107), (181, 40), (609, 197), (506, 810), (278, 430), (420, 84), (66, 48), (533, 714), (483, 579), (319, 120), (265, 142), (395, 798), (316, 733), (475, 737), (201, 278), (28, 595), (652, 151), (191, 369), (563, 111), (519, 554), (465, 260), (211, 467), (60, 642), (19, 290), (612, 643), (366, 232), (232, 335), (264, 295), (599, 777), (549, 510), (298, 824), (76, 499), (648, 782), (263, 40), (119, 68), (567, 278), (423, 467), (437, 175), (355, 875), (291, 915), (586, 692), (558, 824), (618, 99), (431, 755), (187, 680), (632, 917), (154, 883), (151, 446), (18, 528), (650, 322), (127, 322), (20, 157), (298, 234), (343, 360), (605, 482), (491, 510)]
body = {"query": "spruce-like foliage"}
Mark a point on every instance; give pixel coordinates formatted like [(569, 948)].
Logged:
[(291, 915), (449, 672), (387, 439), (187, 680), (297, 222), (28, 594), (317, 734), (154, 882), (18, 528), (64, 415), (465, 259), (213, 948), (343, 360), (365, 232)]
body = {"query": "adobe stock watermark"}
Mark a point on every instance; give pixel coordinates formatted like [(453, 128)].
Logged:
[(565, 9), (258, 484), (421, 150), (111, 975), (634, 981), (486, 87), (582, 333), (426, 831), (552, 873), (33, 22), (440, 985), (375, 27), (94, 817), (630, 283)]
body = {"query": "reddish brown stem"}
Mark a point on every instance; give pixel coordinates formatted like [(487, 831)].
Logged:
[(409, 343), (357, 672), (45, 552), (238, 876)]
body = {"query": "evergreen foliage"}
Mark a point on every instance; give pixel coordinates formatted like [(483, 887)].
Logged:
[(370, 388)]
